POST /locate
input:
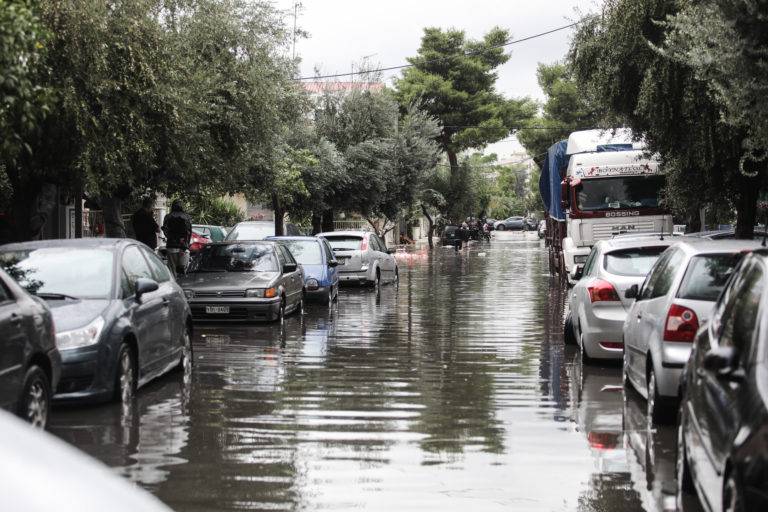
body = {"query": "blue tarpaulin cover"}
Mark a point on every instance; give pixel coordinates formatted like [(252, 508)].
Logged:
[(549, 183)]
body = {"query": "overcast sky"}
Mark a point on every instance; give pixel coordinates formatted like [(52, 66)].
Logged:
[(343, 33)]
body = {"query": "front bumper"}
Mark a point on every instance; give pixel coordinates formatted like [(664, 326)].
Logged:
[(87, 375), (244, 310), (319, 295)]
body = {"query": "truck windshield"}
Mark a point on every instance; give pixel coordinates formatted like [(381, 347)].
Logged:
[(620, 193)]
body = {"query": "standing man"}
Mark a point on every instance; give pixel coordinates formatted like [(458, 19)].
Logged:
[(144, 224), (177, 227)]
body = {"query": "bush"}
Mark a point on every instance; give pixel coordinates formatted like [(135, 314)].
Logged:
[(216, 212)]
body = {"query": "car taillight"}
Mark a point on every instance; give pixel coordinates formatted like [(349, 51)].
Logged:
[(364, 245), (681, 324), (602, 291)]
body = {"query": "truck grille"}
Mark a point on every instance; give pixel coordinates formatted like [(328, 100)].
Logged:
[(606, 230)]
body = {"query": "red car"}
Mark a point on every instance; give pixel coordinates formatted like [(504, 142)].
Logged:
[(197, 241)]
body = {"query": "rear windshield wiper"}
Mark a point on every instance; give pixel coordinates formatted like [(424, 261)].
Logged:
[(342, 249), (55, 296)]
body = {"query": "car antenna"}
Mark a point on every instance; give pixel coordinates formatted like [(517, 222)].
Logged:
[(661, 236)]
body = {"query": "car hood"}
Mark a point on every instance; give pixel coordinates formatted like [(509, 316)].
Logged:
[(219, 280), (71, 314)]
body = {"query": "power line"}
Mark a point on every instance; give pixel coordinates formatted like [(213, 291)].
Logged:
[(476, 52)]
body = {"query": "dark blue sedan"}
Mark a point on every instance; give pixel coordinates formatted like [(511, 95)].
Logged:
[(121, 320)]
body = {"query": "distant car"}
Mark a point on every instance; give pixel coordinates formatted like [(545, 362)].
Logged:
[(451, 236), (321, 269), (259, 230), (489, 222), (597, 304), (30, 363), (675, 299), (249, 280), (196, 242), (363, 257), (510, 224), (81, 483), (121, 320), (530, 224), (213, 233), (722, 429)]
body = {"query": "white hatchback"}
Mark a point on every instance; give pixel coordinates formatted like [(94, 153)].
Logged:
[(675, 299), (597, 303)]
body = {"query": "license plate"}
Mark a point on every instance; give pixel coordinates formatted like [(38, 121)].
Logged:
[(216, 309)]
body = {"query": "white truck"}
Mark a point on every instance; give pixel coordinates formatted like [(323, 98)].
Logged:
[(596, 185)]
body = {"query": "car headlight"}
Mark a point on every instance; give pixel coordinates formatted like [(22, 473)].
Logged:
[(190, 294), (82, 336), (312, 284), (261, 293)]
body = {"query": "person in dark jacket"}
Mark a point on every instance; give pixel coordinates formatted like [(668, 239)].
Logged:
[(177, 227), (144, 225)]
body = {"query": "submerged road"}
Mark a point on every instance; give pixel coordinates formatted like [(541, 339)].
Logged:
[(451, 391)]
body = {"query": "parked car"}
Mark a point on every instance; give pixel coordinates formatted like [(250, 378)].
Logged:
[(597, 305), (244, 281), (452, 235), (321, 270), (121, 320), (213, 233), (259, 230), (41, 472), (673, 302), (363, 257), (510, 224), (530, 224), (30, 363), (722, 429), (489, 222), (758, 234)]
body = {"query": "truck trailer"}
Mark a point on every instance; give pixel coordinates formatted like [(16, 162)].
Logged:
[(595, 185)]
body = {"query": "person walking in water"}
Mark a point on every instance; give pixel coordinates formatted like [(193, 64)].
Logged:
[(177, 227)]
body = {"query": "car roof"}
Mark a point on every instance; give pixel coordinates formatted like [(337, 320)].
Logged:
[(243, 241), (79, 243), (310, 238), (348, 232), (612, 244), (704, 245)]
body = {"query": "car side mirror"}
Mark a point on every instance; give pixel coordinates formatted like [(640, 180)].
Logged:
[(144, 285), (724, 362), (631, 292), (289, 267), (333, 263)]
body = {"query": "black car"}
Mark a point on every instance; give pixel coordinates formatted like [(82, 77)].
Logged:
[(121, 320), (244, 280), (722, 452), (30, 363), (453, 235)]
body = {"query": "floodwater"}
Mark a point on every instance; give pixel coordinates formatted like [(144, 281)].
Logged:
[(448, 392)]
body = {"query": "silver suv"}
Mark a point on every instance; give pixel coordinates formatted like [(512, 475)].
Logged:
[(363, 257)]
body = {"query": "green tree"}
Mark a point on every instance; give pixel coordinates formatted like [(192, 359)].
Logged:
[(455, 81), (615, 59)]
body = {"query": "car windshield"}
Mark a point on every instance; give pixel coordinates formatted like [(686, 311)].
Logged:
[(236, 258), (632, 262), (306, 252), (345, 243), (706, 276), (251, 231), (617, 193), (62, 271)]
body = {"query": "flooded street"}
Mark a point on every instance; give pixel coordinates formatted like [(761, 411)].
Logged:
[(450, 391)]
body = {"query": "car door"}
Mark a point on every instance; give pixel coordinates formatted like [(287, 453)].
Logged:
[(386, 261), (293, 281), (149, 314), (580, 293), (635, 341), (173, 296), (13, 339), (331, 263), (717, 417)]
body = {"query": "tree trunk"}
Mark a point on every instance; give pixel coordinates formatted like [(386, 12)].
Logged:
[(317, 223), (327, 220), (746, 201), (113, 220), (431, 224), (279, 214)]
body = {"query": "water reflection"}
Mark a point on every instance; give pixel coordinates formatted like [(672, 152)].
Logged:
[(451, 390)]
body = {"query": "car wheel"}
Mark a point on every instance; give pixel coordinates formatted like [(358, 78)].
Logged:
[(336, 296), (396, 279), (568, 337), (376, 282), (330, 297), (300, 307), (281, 312), (187, 356), (526, 228), (501, 227), (125, 380), (624, 372), (656, 410), (682, 470), (35, 403), (731, 495)]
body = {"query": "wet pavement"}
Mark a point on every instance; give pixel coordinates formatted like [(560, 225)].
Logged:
[(452, 390)]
